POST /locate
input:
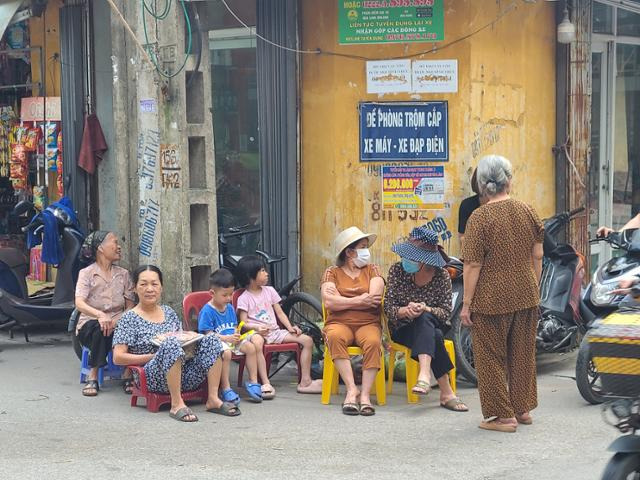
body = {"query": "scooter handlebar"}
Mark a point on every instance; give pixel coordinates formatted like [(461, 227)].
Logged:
[(576, 211)]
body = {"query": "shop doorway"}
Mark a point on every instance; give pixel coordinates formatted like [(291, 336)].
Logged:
[(235, 128), (254, 86), (615, 135)]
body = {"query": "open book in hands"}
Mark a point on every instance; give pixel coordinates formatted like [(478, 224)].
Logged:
[(184, 337)]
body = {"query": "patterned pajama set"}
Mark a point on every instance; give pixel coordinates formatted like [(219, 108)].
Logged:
[(504, 310), (136, 332)]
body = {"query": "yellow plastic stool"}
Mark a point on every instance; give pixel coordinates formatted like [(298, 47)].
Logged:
[(330, 382), (412, 368)]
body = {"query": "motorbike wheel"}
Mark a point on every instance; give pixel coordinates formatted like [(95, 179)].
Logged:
[(464, 351), (305, 311), (587, 377), (623, 466)]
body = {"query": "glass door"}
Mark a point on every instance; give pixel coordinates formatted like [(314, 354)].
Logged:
[(235, 131), (626, 153), (599, 194)]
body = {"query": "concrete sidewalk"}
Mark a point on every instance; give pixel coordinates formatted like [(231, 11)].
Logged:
[(47, 429)]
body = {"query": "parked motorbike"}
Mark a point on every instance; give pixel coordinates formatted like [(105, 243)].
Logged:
[(561, 324), (615, 346), (625, 462), (600, 302), (18, 309)]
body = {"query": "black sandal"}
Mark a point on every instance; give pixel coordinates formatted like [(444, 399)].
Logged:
[(127, 386), (367, 410), (349, 408), (91, 388)]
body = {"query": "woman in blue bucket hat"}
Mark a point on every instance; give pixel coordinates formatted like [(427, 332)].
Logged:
[(417, 302)]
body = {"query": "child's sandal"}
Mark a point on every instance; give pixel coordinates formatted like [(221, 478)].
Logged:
[(228, 395), (254, 391)]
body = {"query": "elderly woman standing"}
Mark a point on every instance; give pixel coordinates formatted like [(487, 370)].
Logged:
[(352, 293), (103, 292), (417, 302), (502, 267)]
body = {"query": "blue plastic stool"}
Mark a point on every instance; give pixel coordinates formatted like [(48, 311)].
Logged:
[(110, 371)]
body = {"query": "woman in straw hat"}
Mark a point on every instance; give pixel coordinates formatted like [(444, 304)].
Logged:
[(352, 293), (417, 302)]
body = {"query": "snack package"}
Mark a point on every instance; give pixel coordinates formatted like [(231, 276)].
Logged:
[(39, 198), (60, 140), (18, 153), (59, 179), (21, 134), (31, 139), (51, 135), (51, 157), (18, 168)]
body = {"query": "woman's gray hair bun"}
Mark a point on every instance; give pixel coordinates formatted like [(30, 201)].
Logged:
[(494, 174)]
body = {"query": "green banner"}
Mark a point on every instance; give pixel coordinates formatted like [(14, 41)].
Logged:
[(390, 21)]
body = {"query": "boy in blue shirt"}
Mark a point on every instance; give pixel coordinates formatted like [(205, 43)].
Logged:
[(217, 317)]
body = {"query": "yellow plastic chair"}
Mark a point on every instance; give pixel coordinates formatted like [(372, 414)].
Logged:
[(330, 383), (411, 366)]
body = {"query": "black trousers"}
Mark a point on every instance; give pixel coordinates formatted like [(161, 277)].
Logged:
[(424, 338), (91, 337)]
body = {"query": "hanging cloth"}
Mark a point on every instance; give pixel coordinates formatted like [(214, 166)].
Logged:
[(93, 144)]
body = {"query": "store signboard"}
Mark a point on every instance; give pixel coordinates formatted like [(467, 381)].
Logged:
[(32, 109), (413, 188), (390, 21), (404, 131)]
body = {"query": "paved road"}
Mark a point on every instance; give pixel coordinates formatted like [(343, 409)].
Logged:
[(48, 430)]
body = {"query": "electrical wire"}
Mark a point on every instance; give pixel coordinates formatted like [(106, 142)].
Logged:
[(253, 31), (152, 54), (198, 47), (319, 51)]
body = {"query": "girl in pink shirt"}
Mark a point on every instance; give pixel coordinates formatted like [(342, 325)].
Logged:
[(259, 307)]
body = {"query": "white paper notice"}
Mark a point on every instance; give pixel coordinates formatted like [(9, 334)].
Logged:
[(435, 76), (389, 76)]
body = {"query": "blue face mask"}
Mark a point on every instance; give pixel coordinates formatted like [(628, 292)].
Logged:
[(410, 266)]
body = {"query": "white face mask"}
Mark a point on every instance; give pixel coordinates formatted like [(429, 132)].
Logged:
[(363, 258)]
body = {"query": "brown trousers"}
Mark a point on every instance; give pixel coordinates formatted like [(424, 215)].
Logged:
[(368, 337), (504, 353)]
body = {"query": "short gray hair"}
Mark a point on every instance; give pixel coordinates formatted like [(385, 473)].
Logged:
[(494, 174)]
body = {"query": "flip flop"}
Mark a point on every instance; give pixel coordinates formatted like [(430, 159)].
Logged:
[(351, 409), (127, 385), (91, 385), (524, 420), (314, 387), (227, 409), (228, 395), (452, 403), (421, 388), (181, 414), (496, 426), (268, 392), (254, 391), (367, 410)]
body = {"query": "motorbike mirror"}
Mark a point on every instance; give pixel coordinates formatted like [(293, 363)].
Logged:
[(22, 207)]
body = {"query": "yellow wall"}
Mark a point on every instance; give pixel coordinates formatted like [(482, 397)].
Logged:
[(505, 104), (47, 26)]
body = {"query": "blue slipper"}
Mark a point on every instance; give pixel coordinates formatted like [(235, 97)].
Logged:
[(254, 390), (230, 396)]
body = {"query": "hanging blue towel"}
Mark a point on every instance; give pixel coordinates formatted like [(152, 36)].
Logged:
[(50, 239)]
